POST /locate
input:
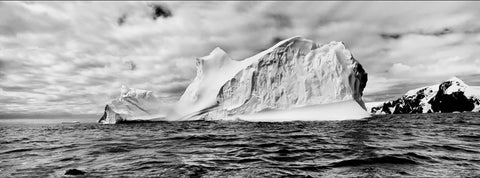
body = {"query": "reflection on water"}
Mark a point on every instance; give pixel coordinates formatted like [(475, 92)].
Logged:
[(396, 145)]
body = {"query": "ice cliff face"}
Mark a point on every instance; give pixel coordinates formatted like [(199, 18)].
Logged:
[(295, 72), (449, 96), (133, 104)]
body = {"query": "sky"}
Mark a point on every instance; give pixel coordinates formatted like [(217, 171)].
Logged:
[(71, 58)]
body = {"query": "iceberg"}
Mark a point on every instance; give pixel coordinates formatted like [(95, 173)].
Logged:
[(452, 95), (133, 104), (296, 79), (292, 74)]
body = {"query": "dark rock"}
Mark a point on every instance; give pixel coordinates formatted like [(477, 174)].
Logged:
[(457, 101), (439, 101)]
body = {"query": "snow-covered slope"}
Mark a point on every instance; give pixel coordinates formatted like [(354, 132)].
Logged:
[(293, 73), (133, 104), (213, 71), (449, 96)]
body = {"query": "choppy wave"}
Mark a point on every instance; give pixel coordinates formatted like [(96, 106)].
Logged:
[(392, 145)]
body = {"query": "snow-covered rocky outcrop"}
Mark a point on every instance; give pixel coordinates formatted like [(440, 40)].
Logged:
[(449, 96), (133, 104), (294, 73)]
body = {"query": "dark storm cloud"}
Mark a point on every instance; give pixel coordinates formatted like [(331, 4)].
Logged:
[(160, 10), (121, 20), (390, 36)]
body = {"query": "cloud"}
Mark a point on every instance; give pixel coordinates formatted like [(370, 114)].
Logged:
[(72, 57), (21, 18), (159, 10), (399, 69), (129, 65), (121, 20), (390, 35)]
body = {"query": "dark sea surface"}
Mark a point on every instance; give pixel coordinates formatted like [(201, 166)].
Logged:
[(432, 145)]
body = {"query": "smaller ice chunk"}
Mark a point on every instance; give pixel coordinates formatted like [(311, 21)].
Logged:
[(133, 104)]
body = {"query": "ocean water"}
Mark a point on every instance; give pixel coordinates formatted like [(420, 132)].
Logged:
[(433, 145)]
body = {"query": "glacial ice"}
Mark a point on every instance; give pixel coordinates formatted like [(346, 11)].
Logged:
[(293, 73), (296, 79), (133, 104)]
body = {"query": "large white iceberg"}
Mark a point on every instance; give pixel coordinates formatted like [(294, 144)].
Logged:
[(292, 74), (296, 79)]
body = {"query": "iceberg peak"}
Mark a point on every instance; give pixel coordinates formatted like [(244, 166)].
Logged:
[(217, 53), (126, 92), (458, 81)]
